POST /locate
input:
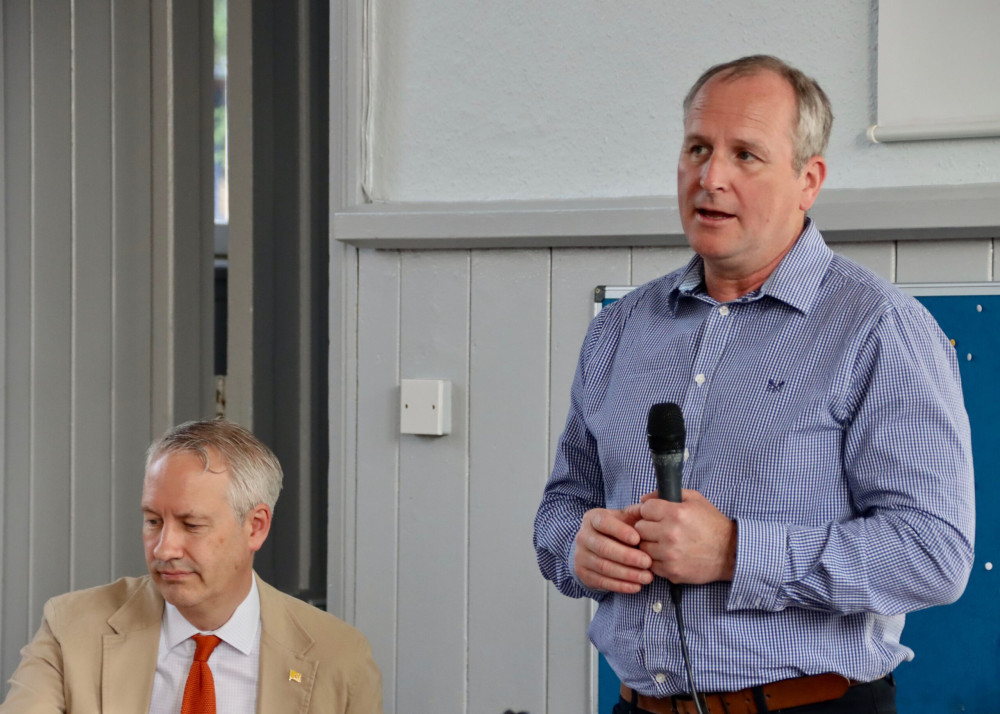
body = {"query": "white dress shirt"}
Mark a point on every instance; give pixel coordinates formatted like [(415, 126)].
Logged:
[(234, 663)]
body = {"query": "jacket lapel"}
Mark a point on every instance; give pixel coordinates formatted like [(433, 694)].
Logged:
[(130, 653), (287, 674)]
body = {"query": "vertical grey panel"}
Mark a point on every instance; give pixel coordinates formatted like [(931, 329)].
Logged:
[(346, 62), (3, 324), (574, 275), (650, 263), (51, 294), (378, 461), (3, 329), (92, 326), (132, 258), (433, 490), (508, 454), (183, 304), (878, 257), (943, 261), (17, 457), (995, 275), (242, 214), (341, 571)]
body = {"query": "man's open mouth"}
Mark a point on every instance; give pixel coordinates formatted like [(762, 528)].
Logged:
[(713, 215)]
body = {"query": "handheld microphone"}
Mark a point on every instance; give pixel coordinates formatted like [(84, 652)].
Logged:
[(665, 429)]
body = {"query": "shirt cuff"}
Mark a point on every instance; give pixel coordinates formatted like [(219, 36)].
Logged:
[(583, 590), (761, 564), (569, 564)]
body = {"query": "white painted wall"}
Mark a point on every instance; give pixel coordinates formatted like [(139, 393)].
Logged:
[(578, 99)]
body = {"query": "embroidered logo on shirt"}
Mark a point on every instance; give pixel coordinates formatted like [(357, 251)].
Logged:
[(775, 386)]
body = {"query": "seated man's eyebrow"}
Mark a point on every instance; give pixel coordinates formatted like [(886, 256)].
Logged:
[(752, 146), (186, 516), (193, 516)]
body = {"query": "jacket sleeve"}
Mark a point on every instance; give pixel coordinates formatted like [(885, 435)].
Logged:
[(36, 686), (365, 687)]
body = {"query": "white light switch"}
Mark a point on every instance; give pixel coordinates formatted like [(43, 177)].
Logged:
[(425, 406)]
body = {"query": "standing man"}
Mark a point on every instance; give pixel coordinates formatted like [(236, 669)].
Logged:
[(828, 470), (201, 632)]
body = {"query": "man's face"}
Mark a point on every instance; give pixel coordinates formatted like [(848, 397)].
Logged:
[(742, 203), (199, 556)]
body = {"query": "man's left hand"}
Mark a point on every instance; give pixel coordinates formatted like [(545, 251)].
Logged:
[(690, 542)]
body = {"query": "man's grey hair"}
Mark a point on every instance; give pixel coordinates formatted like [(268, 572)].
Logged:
[(254, 472), (811, 133)]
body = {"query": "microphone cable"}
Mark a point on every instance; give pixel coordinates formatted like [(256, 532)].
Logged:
[(675, 595)]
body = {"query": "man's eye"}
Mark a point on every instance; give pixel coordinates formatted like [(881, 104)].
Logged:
[(745, 156), (698, 150), (151, 522)]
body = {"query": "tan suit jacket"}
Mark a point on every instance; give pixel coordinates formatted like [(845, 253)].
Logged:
[(95, 653)]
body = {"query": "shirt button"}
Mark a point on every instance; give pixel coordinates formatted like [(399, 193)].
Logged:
[(657, 606), (687, 454), (700, 379), (724, 310), (661, 678)]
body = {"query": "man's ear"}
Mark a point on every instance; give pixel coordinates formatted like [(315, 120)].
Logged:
[(812, 176), (259, 522)]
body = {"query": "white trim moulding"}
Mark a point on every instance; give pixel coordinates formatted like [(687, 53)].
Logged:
[(880, 134), (877, 214)]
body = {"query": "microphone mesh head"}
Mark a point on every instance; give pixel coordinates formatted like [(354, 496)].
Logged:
[(665, 428)]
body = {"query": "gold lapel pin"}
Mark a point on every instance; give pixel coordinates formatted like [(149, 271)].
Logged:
[(294, 676)]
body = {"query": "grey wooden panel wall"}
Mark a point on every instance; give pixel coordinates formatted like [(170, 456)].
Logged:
[(508, 447), (434, 548), (445, 582), (79, 187), (77, 262)]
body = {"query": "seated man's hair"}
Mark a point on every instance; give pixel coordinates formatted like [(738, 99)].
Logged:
[(254, 472)]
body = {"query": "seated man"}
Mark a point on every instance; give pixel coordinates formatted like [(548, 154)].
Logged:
[(201, 632)]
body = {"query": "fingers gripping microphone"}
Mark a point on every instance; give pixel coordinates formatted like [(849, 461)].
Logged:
[(665, 429)]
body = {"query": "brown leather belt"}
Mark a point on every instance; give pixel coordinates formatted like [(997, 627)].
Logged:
[(778, 695)]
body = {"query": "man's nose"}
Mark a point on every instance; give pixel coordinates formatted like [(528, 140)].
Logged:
[(714, 174), (168, 545)]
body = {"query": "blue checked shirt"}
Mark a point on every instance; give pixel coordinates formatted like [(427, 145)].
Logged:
[(824, 415)]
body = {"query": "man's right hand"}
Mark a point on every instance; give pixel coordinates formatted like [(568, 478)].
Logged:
[(606, 554)]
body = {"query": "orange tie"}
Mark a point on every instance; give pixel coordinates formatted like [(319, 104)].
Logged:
[(199, 692)]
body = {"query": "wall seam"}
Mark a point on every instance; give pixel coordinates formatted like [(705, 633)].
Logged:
[(113, 268), (74, 287), (3, 326), (548, 460), (468, 468), (31, 302), (395, 574)]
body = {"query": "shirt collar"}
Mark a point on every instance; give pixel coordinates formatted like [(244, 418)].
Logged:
[(240, 631), (795, 281), (798, 276)]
